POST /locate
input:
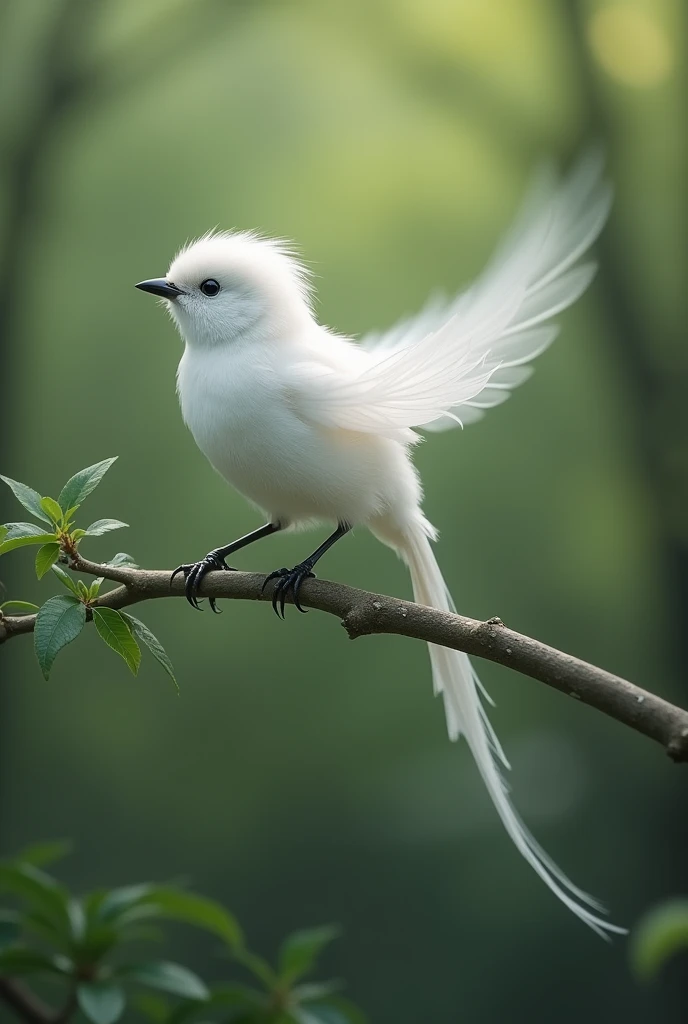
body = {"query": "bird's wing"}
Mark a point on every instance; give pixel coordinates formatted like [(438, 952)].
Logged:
[(455, 359)]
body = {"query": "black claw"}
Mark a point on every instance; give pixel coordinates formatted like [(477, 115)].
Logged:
[(288, 580), (297, 588), (273, 576), (194, 573), (275, 597)]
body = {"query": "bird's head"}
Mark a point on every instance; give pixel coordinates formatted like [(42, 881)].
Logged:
[(228, 286)]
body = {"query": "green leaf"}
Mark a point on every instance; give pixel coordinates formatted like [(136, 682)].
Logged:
[(166, 977), (52, 510), (659, 935), (40, 854), (24, 530), (46, 558), (26, 496), (83, 590), (59, 621), (17, 960), (236, 995), (131, 919), (101, 1001), (156, 1008), (98, 937), (300, 951), (70, 512), (82, 483), (335, 1010), (18, 608), (232, 997), (10, 928), (3, 533), (56, 935), (122, 558), (114, 903), (102, 526), (94, 589), (260, 968), (116, 633), (315, 991), (147, 637), (177, 905), (66, 580), (310, 1015), (77, 920), (22, 542), (40, 890)]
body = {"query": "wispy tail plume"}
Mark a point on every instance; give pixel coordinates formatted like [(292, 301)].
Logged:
[(455, 679)]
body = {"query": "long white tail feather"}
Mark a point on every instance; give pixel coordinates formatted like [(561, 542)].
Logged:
[(455, 678)]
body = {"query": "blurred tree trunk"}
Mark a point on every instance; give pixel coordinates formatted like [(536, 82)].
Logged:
[(650, 384), (25, 178), (654, 391), (25, 186), (66, 79)]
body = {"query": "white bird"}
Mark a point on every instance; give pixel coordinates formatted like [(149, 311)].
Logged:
[(313, 427)]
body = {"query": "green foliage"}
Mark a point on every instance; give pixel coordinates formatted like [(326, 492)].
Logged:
[(101, 1002), (18, 607), (52, 510), (166, 977), (17, 960), (123, 559), (26, 496), (24, 540), (9, 928), (178, 905), (147, 637), (60, 620), (83, 483), (46, 558), (660, 935), (117, 634), (40, 854), (81, 941), (102, 526), (57, 514), (300, 951), (67, 580)]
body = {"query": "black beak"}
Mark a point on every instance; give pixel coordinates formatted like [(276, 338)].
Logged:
[(159, 286)]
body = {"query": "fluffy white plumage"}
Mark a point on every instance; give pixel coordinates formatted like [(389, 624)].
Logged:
[(310, 426)]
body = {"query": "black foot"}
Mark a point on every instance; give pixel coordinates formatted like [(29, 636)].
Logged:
[(194, 573), (289, 579)]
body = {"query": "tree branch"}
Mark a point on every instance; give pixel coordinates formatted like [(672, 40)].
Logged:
[(363, 613), (25, 1004)]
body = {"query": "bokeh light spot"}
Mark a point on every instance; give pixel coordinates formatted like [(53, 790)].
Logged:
[(630, 45)]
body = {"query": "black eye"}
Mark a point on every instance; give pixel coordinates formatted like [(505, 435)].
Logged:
[(210, 287)]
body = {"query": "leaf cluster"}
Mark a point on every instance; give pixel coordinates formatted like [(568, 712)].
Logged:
[(61, 618), (658, 937), (84, 943)]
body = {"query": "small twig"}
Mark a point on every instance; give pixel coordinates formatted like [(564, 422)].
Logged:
[(363, 613)]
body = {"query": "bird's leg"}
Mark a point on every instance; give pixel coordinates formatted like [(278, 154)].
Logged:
[(291, 579), (215, 559)]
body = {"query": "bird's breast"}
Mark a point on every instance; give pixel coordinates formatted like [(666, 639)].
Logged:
[(244, 422)]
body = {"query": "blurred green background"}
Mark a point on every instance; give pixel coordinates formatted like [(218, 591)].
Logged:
[(299, 777)]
